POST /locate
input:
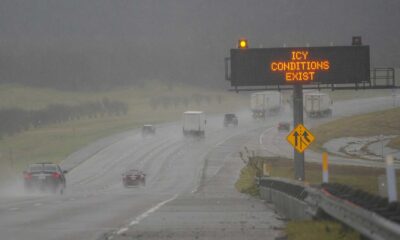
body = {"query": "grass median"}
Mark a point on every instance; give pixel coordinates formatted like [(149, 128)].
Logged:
[(371, 124)]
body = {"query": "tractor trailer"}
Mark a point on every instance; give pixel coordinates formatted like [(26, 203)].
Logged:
[(317, 105), (265, 103)]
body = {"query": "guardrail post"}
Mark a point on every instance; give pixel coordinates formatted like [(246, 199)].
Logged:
[(325, 172), (391, 179)]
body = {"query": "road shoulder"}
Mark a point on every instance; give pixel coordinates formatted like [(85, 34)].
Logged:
[(213, 211)]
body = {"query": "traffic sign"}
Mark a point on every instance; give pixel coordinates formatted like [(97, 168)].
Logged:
[(300, 138), (300, 65)]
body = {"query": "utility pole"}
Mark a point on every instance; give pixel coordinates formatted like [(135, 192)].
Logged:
[(299, 172)]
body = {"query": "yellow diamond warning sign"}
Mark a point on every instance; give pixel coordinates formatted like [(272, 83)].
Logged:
[(300, 138)]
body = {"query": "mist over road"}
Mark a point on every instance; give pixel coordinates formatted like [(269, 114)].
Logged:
[(178, 170)]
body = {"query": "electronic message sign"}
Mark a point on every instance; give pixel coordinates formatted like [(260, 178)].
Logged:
[(289, 66)]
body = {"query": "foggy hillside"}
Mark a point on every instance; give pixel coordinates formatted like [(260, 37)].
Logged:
[(78, 44)]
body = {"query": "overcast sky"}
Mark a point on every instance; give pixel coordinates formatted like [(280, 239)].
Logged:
[(186, 40)]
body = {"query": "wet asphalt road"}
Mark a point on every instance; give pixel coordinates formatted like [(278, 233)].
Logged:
[(95, 202), (188, 194)]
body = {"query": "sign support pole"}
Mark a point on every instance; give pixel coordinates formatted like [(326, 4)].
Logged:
[(298, 119)]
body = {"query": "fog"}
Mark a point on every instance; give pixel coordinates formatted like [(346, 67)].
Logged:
[(78, 44)]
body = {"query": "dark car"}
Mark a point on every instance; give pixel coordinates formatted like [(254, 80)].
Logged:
[(230, 119), (148, 130), (45, 177), (133, 178), (284, 126)]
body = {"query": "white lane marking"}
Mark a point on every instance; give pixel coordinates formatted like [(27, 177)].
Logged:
[(145, 214), (13, 209), (223, 141), (151, 210), (122, 230), (260, 140), (38, 204)]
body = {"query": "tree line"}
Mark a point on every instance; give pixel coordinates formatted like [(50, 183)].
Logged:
[(175, 101), (16, 120)]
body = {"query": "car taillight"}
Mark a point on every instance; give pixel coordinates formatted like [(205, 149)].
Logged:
[(56, 175), (27, 176)]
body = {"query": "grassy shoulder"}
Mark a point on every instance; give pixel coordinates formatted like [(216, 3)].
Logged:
[(371, 124), (319, 230), (147, 104)]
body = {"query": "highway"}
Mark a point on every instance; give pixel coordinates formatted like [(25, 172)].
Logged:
[(189, 192), (95, 203)]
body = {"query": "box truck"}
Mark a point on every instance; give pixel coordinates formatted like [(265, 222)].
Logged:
[(194, 123)]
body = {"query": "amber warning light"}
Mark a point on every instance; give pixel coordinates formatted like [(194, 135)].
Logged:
[(243, 44), (300, 67)]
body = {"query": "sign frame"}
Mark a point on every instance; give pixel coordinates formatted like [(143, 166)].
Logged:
[(347, 65)]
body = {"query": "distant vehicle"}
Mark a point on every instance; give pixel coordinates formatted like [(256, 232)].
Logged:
[(230, 119), (148, 130), (133, 178), (45, 177), (284, 126), (194, 123), (317, 104), (265, 103)]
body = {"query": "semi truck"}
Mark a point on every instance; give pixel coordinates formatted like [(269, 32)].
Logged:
[(194, 123), (265, 103), (317, 104)]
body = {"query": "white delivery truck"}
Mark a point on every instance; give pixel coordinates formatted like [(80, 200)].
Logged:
[(194, 123), (317, 104), (265, 103)]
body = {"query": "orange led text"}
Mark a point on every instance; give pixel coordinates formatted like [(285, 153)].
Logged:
[(300, 67)]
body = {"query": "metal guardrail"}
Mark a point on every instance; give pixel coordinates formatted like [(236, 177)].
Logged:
[(288, 196), (368, 223), (292, 188)]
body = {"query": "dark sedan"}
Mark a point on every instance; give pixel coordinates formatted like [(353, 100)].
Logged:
[(284, 126), (230, 119), (148, 130), (133, 178), (45, 177)]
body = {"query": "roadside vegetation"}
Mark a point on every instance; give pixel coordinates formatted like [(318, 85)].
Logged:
[(371, 124), (347, 95), (319, 230), (54, 141), (245, 183)]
